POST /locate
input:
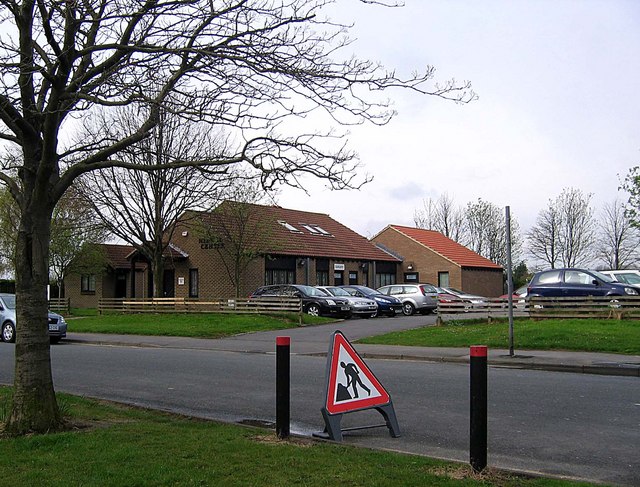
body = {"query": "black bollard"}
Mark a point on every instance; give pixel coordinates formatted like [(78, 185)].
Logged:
[(478, 430), (283, 346)]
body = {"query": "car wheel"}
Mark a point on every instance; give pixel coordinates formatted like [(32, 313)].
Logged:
[(408, 309), (8, 332), (313, 310)]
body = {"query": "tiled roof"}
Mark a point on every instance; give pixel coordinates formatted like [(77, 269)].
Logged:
[(281, 231), (450, 249), (117, 255)]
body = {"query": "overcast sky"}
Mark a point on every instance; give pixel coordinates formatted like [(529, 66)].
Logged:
[(559, 106)]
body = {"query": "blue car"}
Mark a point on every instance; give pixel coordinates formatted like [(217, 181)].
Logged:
[(577, 282), (387, 305)]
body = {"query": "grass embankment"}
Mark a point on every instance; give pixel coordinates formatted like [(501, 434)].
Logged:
[(202, 325), (115, 445), (591, 335)]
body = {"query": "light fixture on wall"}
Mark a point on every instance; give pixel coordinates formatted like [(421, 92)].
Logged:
[(301, 262), (410, 266)]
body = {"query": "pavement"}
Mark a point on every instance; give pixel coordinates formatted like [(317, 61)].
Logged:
[(264, 342)]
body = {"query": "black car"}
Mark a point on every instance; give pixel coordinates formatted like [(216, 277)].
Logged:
[(314, 301), (387, 305), (577, 282)]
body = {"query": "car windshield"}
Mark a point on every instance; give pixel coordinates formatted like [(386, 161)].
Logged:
[(453, 290), (313, 291), (9, 301), (629, 278), (603, 277), (338, 291)]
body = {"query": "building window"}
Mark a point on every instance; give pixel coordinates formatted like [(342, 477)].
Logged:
[(443, 279), (338, 278), (88, 283), (353, 277), (194, 283), (322, 278), (279, 276), (384, 279)]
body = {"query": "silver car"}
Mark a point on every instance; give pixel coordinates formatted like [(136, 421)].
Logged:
[(364, 307), (57, 324), (421, 298)]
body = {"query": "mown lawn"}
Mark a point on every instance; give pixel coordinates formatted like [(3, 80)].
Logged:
[(202, 325), (591, 335), (114, 445)]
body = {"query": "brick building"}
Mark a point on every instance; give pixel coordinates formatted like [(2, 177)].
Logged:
[(114, 281), (255, 245), (249, 244), (429, 256)]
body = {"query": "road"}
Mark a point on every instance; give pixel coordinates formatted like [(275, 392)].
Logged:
[(576, 425)]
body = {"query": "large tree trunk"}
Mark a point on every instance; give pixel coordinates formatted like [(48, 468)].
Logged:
[(34, 407)]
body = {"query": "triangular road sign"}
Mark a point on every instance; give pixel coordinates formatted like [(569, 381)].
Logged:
[(351, 385)]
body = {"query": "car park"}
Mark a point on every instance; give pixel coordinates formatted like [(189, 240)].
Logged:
[(628, 276), (421, 298), (577, 282), (314, 301), (57, 324), (363, 307), (387, 305)]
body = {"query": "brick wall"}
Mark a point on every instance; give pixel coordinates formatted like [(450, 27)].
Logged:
[(424, 261), (485, 282)]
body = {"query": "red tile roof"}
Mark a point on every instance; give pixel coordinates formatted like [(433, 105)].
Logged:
[(304, 234), (447, 248)]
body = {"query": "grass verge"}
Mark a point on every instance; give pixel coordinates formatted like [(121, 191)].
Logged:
[(205, 325), (114, 445), (589, 335)]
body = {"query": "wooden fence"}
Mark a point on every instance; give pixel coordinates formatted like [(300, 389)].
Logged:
[(613, 307), (181, 305), (60, 305)]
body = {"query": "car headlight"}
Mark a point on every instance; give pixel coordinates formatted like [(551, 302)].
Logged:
[(331, 302), (380, 300), (631, 291)]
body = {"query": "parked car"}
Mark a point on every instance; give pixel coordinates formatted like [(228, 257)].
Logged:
[(519, 297), (475, 300), (628, 276), (577, 282), (363, 307), (421, 298), (314, 301), (387, 305), (57, 324)]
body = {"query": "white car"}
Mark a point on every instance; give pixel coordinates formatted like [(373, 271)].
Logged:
[(626, 276), (364, 307)]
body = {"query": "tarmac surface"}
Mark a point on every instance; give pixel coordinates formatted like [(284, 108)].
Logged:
[(264, 342)]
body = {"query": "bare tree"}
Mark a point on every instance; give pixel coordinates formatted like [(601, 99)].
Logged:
[(249, 65), (486, 232), (443, 216), (142, 207), (238, 232), (543, 239), (565, 231), (619, 241), (75, 230), (577, 232)]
